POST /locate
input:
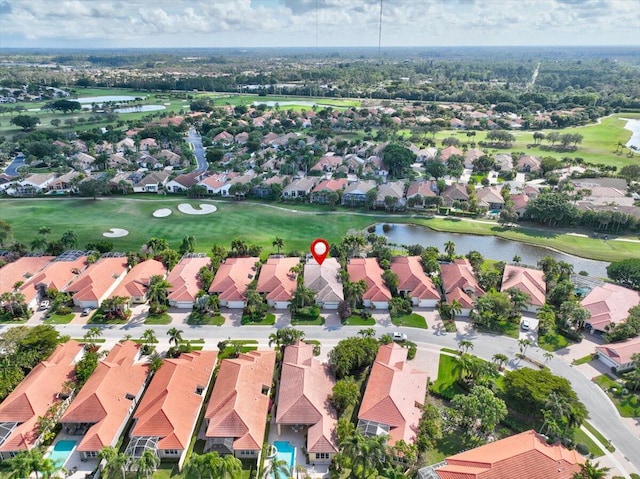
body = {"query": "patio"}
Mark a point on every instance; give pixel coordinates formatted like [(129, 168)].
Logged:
[(75, 465)]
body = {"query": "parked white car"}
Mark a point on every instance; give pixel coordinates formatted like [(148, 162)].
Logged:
[(398, 336)]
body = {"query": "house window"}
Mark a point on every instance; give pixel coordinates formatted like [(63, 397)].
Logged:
[(265, 390), (322, 455), (91, 454), (247, 453), (171, 452)]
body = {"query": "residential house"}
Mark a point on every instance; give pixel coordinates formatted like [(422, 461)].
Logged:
[(184, 281), (128, 144), (102, 408), (170, 158), (394, 398), (21, 271), (57, 274), (425, 189), (277, 282), (504, 161), (490, 198), (168, 413), (413, 282), (460, 284), (608, 304), (183, 182), (147, 144), (265, 190), (146, 161), (450, 151), (231, 280), (324, 280), (618, 356), (98, 281), (32, 185), (377, 294), (41, 389), (214, 183), (526, 456), (321, 193), (426, 154), (520, 202), (306, 385), (393, 190), (136, 282), (455, 194), (118, 161), (355, 194), (472, 155), (529, 281), (224, 138), (236, 416), (327, 163), (528, 164), (152, 183), (606, 195), (377, 165), (83, 161), (300, 188), (64, 183), (241, 138)]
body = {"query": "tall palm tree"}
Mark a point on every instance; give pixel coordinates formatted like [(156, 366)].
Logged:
[(149, 336), (500, 359), (465, 345), (156, 362), (589, 470), (44, 231), (523, 344), (157, 290), (69, 239), (91, 335), (146, 464), (39, 243), (450, 249), (278, 243), (277, 469), (353, 292), (115, 462), (230, 468), (175, 336)]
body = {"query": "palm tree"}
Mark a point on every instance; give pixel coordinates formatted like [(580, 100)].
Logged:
[(155, 363), (39, 243), (157, 290), (300, 468), (547, 356), (277, 468), (450, 249), (115, 462), (588, 470), (278, 243), (175, 336), (523, 344), (516, 259), (44, 231), (465, 345), (448, 311), (394, 472), (500, 359), (69, 239), (91, 335), (353, 292), (149, 336), (230, 468), (146, 464), (32, 461)]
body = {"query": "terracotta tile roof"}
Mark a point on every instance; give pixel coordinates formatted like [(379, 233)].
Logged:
[(520, 201), (136, 281), (609, 303), (450, 151), (232, 278), (184, 279), (324, 280), (489, 195), (331, 185), (94, 282), (188, 179), (369, 270), (460, 283), (36, 393), (422, 188), (527, 280), (23, 269), (238, 407), (523, 456), (395, 393), (303, 398), (214, 181), (170, 405), (277, 280), (105, 400), (621, 352), (412, 278), (57, 274), (455, 192)]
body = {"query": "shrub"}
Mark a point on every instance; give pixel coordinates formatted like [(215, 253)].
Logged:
[(582, 448), (386, 227), (63, 310)]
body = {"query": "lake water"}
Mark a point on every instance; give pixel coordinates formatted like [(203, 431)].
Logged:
[(634, 127), (139, 108), (490, 247), (102, 99)]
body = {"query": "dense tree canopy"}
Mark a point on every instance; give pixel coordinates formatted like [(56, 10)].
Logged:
[(398, 159)]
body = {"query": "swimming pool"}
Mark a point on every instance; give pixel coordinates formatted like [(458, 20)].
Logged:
[(286, 452), (61, 451)]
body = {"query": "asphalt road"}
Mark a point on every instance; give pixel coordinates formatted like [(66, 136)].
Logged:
[(603, 414), (12, 169), (198, 151)]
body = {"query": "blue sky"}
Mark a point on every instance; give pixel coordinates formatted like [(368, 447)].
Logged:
[(324, 23)]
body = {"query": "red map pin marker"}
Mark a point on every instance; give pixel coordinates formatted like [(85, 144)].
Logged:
[(319, 250)]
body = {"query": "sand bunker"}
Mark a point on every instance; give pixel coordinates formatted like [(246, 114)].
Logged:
[(162, 213), (115, 233), (187, 209)]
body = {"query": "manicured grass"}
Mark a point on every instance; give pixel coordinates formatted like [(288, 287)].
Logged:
[(163, 318), (98, 318), (446, 384), (268, 320), (552, 341), (13, 321), (580, 436), (599, 436), (319, 321), (357, 320), (583, 360), (507, 328), (628, 405), (164, 472), (59, 318), (201, 319), (83, 341), (448, 350), (413, 320)]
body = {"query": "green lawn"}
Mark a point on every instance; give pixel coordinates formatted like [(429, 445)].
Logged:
[(628, 405), (268, 320), (552, 341), (507, 328), (163, 318), (584, 360), (412, 320), (580, 436), (357, 320), (446, 384), (319, 321), (200, 319), (599, 436), (59, 318)]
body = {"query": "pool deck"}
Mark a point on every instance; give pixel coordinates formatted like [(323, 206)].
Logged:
[(77, 469), (298, 440)]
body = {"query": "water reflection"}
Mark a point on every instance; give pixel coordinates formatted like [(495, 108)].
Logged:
[(489, 246)]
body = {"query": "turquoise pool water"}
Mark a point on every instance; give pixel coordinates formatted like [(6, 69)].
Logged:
[(287, 452), (61, 451)]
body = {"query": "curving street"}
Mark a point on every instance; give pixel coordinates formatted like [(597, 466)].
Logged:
[(195, 140), (603, 414)]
